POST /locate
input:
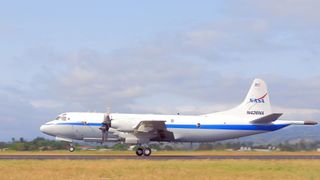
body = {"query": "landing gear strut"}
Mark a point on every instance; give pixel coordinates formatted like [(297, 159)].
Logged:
[(71, 148), (146, 151)]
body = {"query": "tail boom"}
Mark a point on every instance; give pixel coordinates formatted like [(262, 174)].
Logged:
[(307, 122)]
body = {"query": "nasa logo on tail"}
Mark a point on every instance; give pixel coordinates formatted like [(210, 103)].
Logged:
[(258, 100)]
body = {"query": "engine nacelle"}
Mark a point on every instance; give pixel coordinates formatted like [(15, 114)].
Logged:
[(131, 140), (124, 125)]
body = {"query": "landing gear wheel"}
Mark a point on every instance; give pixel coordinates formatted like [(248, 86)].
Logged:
[(72, 148), (147, 151), (139, 151)]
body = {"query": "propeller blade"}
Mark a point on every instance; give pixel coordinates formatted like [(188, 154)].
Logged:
[(103, 137), (105, 127)]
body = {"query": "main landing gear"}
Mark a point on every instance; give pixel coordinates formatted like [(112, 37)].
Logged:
[(146, 151)]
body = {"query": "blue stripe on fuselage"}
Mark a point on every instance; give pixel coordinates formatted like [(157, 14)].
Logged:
[(272, 127), (253, 127)]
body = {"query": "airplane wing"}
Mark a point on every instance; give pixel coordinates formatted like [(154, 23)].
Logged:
[(155, 130), (267, 119)]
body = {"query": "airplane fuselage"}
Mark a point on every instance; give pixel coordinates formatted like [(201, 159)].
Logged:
[(85, 126)]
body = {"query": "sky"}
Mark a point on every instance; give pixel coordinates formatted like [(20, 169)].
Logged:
[(192, 57)]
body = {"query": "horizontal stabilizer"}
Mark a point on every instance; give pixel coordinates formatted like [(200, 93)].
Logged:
[(267, 119)]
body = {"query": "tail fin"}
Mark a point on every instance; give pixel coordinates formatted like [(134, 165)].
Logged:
[(256, 104)]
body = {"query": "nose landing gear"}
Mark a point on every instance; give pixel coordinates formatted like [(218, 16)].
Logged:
[(146, 151), (71, 148)]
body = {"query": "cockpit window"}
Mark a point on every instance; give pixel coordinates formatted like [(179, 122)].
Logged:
[(62, 117)]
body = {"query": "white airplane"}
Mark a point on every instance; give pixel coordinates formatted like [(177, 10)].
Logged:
[(252, 116)]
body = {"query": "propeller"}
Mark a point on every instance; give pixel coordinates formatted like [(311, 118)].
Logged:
[(106, 124)]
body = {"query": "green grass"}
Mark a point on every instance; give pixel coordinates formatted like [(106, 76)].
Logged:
[(155, 169), (152, 169)]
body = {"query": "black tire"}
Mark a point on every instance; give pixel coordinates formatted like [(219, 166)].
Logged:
[(147, 151), (71, 148), (139, 151)]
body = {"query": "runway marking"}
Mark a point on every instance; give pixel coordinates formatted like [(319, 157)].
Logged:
[(158, 157)]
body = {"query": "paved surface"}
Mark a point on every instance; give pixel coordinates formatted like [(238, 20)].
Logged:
[(158, 157)]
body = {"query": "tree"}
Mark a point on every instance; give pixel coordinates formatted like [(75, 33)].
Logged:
[(168, 148), (205, 146), (3, 145), (21, 139), (120, 147)]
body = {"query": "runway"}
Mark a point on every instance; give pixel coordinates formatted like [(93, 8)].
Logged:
[(158, 157)]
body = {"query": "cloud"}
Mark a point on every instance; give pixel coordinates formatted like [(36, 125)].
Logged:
[(303, 113), (182, 66), (197, 70), (116, 78), (18, 117), (303, 11), (45, 104)]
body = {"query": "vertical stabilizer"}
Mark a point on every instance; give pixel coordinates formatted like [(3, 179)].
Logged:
[(255, 104)]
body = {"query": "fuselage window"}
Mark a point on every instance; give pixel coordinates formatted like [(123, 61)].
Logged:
[(62, 117)]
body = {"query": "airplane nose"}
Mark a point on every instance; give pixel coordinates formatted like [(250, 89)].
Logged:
[(42, 128), (50, 129), (46, 129)]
